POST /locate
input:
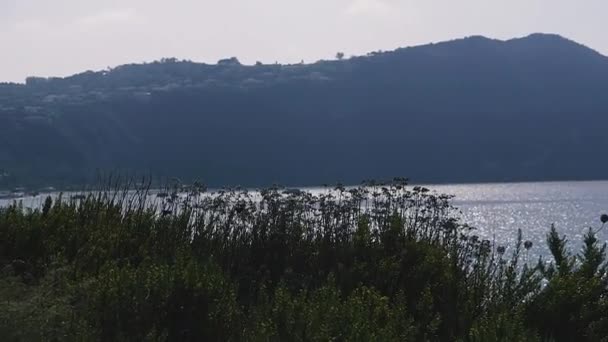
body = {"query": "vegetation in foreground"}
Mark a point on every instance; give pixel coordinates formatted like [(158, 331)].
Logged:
[(375, 263)]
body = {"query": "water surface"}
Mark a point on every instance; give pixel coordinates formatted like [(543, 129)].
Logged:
[(498, 210)]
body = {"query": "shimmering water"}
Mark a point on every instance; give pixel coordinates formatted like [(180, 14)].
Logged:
[(498, 210)]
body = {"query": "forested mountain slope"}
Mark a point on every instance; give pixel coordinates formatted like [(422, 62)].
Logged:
[(473, 109)]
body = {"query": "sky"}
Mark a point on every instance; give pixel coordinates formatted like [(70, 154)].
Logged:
[(63, 37)]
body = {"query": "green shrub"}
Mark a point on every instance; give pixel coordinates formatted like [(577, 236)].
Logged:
[(375, 263)]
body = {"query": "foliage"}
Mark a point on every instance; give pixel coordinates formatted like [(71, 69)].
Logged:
[(380, 262)]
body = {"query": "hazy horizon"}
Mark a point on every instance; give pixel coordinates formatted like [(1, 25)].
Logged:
[(68, 36)]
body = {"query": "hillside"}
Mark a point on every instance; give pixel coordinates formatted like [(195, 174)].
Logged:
[(472, 109)]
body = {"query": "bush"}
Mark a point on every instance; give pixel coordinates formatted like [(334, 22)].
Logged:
[(376, 263)]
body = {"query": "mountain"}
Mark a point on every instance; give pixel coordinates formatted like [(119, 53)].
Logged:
[(472, 109)]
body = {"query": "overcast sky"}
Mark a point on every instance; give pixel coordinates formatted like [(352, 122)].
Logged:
[(62, 37)]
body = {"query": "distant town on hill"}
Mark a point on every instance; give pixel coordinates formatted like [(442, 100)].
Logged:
[(467, 110)]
